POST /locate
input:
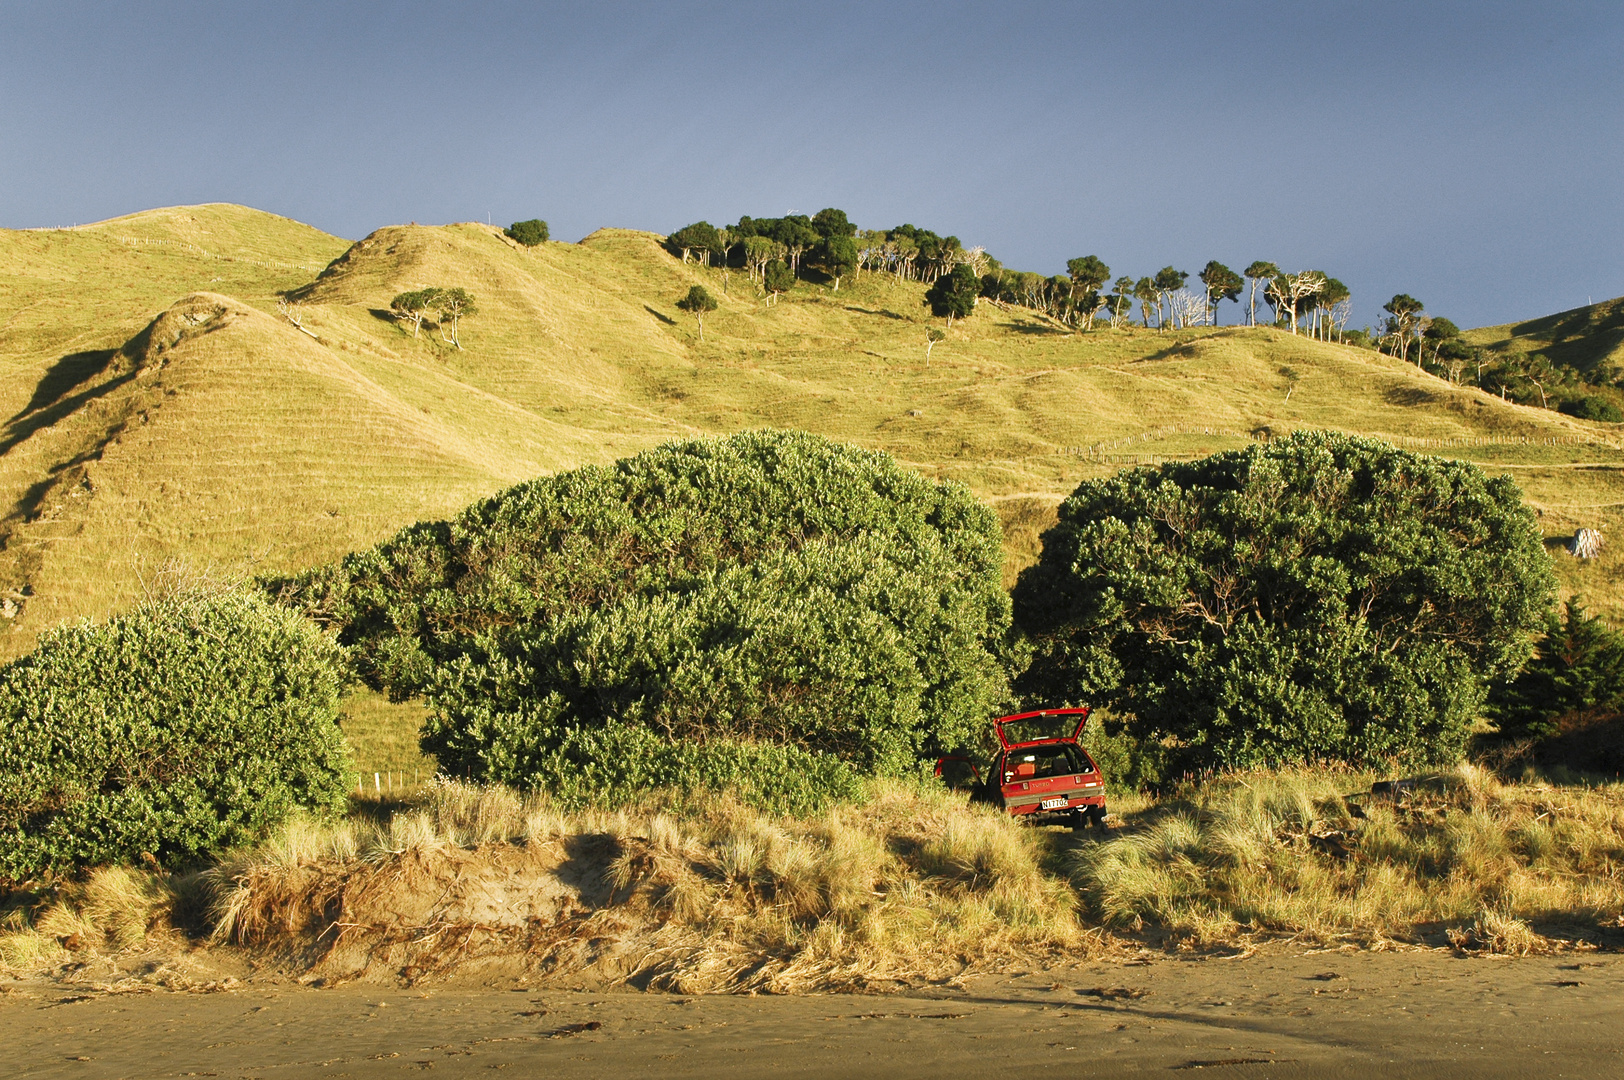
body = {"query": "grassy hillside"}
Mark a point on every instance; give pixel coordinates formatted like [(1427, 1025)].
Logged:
[(160, 405), (1590, 339)]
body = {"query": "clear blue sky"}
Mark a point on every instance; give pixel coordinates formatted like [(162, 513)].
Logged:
[(1471, 154)]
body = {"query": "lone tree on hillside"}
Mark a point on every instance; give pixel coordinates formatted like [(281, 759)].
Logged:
[(838, 257), (934, 335), (1321, 597), (454, 305), (954, 295), (1258, 272), (698, 303), (1222, 284), (777, 278), (529, 233), (413, 306)]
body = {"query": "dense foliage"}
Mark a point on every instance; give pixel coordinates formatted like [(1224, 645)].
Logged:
[(1578, 666), (529, 233), (178, 730), (768, 588), (1322, 597)]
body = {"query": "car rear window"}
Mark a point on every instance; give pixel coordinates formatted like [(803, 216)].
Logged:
[(1036, 762)]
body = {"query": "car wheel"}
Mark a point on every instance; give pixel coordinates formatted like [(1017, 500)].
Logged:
[(1096, 817)]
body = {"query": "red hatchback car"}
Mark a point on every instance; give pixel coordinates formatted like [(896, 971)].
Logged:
[(1040, 774)]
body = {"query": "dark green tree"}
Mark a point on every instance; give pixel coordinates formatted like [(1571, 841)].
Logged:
[(698, 303), (1578, 666), (837, 255), (1221, 283), (529, 233), (953, 296), (831, 222), (1088, 276), (1318, 598), (1404, 315), (777, 278), (698, 238)]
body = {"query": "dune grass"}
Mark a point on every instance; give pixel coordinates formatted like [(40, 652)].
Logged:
[(908, 884)]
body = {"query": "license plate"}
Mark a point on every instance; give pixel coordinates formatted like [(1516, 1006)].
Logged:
[(1053, 804)]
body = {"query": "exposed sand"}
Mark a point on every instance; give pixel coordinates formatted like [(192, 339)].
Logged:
[(1283, 1012)]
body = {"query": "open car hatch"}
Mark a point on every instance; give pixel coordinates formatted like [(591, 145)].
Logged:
[(1038, 726)]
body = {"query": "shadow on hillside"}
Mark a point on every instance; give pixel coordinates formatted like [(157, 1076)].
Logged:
[(63, 376), (52, 401), (1408, 395), (1037, 329), (883, 313), (668, 320)]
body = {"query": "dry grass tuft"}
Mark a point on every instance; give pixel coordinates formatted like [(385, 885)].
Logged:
[(1289, 853), (112, 910)]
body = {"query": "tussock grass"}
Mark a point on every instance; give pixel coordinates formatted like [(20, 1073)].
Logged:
[(1482, 861), (110, 910)]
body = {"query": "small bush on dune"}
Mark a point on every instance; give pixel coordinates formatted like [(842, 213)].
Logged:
[(684, 616), (183, 728)]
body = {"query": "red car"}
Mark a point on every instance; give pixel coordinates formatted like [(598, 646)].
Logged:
[(1040, 774)]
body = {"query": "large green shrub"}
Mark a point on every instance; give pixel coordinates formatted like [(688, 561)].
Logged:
[(768, 589), (182, 728), (1321, 597)]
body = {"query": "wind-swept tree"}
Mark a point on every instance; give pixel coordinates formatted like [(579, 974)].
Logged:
[(529, 233), (698, 303), (933, 336), (1404, 315), (722, 247), (1144, 291), (1221, 283), (413, 306), (1167, 282), (1088, 275), (696, 239), (1288, 291), (954, 295), (758, 252), (1331, 308), (1258, 272), (1120, 302), (454, 305)]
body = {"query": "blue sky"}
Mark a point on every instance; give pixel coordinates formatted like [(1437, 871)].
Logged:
[(1468, 153)]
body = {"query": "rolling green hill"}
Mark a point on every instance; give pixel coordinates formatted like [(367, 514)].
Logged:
[(161, 406), (1590, 339)]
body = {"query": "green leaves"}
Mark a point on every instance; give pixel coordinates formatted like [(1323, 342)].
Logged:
[(529, 233), (186, 727), (1320, 598), (954, 294), (772, 589)]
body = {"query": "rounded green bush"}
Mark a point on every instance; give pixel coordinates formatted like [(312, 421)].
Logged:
[(185, 727), (768, 589), (1319, 598)]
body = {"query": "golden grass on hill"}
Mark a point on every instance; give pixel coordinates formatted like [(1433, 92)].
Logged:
[(270, 447)]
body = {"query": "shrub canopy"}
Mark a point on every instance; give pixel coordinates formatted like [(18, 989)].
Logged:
[(1321, 597), (178, 730), (1578, 667), (772, 588), (529, 233)]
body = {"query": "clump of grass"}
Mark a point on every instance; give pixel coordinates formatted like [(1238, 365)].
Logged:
[(107, 911), (1287, 852)]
